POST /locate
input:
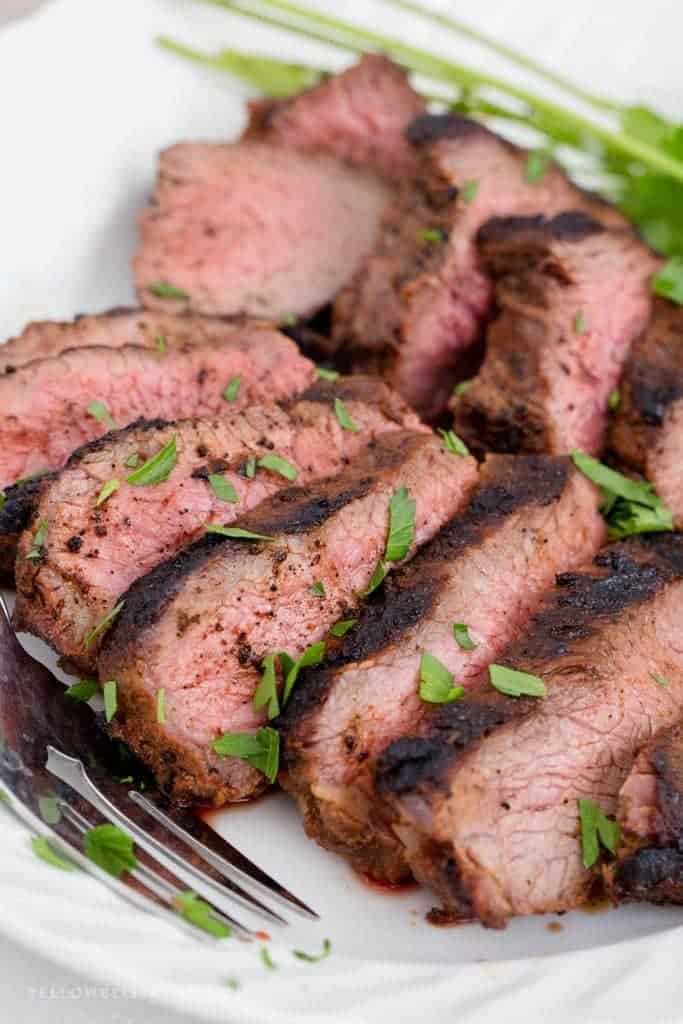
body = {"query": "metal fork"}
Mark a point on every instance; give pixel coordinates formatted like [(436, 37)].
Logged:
[(55, 755)]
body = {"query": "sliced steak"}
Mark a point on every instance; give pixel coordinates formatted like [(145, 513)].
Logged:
[(651, 819), (92, 553), (17, 505), (647, 431), (487, 568), (488, 794), (422, 298), (254, 228), (200, 625), (571, 297), (44, 404), (359, 116)]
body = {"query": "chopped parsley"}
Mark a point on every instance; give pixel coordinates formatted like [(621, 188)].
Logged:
[(108, 488), (233, 389), (629, 506), (3, 499), (133, 461), (462, 637), (614, 400), (267, 959), (318, 589), (164, 290), (432, 235), (401, 525), (669, 281), (42, 848), (38, 542), (579, 323), (236, 532), (99, 411), (436, 682), (343, 417), (261, 749), (322, 373), (158, 468), (536, 166), (314, 958), (453, 444), (201, 915), (83, 690), (161, 344), (461, 387), (223, 488), (377, 578), (102, 626), (266, 693), (596, 830), (313, 655), (250, 468), (469, 190), (342, 627), (276, 464), (515, 684), (111, 701), (660, 680), (161, 706), (111, 849), (291, 320), (233, 983)]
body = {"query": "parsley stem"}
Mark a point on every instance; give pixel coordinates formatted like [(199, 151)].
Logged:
[(336, 32)]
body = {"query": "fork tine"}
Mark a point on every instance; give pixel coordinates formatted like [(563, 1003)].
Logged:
[(210, 846), (71, 771), (166, 891)]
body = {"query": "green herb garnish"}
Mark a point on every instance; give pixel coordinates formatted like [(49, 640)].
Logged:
[(343, 417), (42, 848), (164, 290), (38, 542), (83, 690), (276, 464), (314, 958), (469, 190), (111, 701), (267, 690), (318, 589), (401, 525), (313, 655), (377, 578), (614, 400), (431, 235), (322, 373), (462, 637), (669, 281), (629, 506), (3, 499), (261, 749), (342, 627), (102, 626), (453, 444), (233, 983), (109, 488), (201, 915), (99, 411), (161, 344), (111, 849), (579, 323), (250, 468), (596, 829), (436, 682), (461, 387), (660, 680), (157, 469), (537, 164), (161, 706), (516, 684), (267, 959), (233, 389), (223, 488), (133, 461), (236, 532)]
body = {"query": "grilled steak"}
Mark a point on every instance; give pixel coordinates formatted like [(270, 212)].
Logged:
[(254, 228), (359, 116), (92, 553), (200, 625), (17, 504), (572, 296), (529, 518), (647, 432), (44, 404), (422, 297), (488, 794)]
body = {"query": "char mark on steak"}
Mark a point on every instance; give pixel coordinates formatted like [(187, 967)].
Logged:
[(231, 603), (92, 553), (44, 404), (16, 510), (529, 518), (572, 295), (487, 801), (422, 299), (647, 431), (358, 116)]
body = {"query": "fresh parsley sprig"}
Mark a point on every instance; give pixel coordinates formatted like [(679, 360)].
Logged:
[(629, 506)]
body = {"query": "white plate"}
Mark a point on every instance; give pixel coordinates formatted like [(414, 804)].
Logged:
[(86, 100)]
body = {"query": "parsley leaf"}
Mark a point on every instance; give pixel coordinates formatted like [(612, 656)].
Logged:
[(236, 532), (596, 829), (377, 578), (515, 684), (201, 915), (102, 626), (318, 589), (401, 525), (462, 637), (38, 542), (469, 190), (111, 849), (133, 461), (266, 692), (431, 235), (277, 464), (453, 444), (614, 400), (161, 706), (342, 627), (267, 75), (669, 281), (111, 701), (267, 959), (322, 373), (164, 290), (42, 848), (232, 389), (161, 344), (108, 488), (261, 749), (631, 506), (83, 690), (660, 680), (3, 499), (313, 655), (223, 488), (436, 682), (250, 468), (343, 417), (461, 387), (314, 958), (158, 468), (579, 323), (99, 411)]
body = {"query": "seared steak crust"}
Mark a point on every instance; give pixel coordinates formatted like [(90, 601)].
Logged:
[(44, 404), (16, 510), (233, 602), (647, 431), (529, 517), (491, 823), (572, 296), (92, 553), (422, 298)]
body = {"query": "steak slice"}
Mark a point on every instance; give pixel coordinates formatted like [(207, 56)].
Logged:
[(571, 296), (488, 795), (44, 404), (647, 431), (92, 553), (17, 505), (530, 517), (200, 625), (359, 116), (422, 298), (254, 228)]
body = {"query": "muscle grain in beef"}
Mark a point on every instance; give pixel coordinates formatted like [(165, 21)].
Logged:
[(358, 116), (422, 297), (44, 404), (488, 794), (647, 430), (529, 518), (254, 228), (571, 297), (200, 625), (92, 553)]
